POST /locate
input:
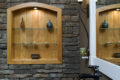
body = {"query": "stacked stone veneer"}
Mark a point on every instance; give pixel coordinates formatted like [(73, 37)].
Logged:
[(71, 58)]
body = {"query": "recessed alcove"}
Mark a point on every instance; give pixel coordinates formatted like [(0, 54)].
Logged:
[(108, 38), (30, 41)]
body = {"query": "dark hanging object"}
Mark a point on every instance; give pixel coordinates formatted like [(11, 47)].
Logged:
[(35, 56), (49, 25), (105, 24), (22, 24), (116, 55)]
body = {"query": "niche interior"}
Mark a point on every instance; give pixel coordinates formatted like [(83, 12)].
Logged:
[(34, 34), (108, 33)]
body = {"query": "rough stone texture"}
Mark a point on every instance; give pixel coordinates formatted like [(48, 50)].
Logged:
[(71, 64), (71, 44)]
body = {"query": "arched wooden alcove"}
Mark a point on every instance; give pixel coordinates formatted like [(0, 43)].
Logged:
[(29, 41), (108, 39)]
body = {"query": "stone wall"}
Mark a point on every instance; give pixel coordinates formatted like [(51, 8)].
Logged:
[(71, 58)]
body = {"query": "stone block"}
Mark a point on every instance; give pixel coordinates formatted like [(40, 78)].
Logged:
[(20, 67), (3, 10), (36, 66), (3, 61), (40, 75), (19, 75), (69, 35), (2, 76), (3, 46), (20, 71), (49, 71), (70, 75), (54, 75), (70, 53), (66, 18), (71, 48), (70, 12), (74, 18), (3, 66), (71, 24), (3, 26), (59, 1), (67, 79), (59, 5), (44, 1), (6, 71)]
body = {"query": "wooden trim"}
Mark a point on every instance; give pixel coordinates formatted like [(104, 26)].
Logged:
[(9, 35), (110, 7), (34, 4), (60, 34)]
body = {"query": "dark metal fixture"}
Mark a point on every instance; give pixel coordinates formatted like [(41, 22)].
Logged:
[(116, 55), (95, 75), (49, 25), (105, 24), (35, 56)]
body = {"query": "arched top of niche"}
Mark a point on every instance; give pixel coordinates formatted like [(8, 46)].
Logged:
[(34, 4), (107, 8)]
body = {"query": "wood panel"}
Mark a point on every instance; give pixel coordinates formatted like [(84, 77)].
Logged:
[(34, 37), (111, 34)]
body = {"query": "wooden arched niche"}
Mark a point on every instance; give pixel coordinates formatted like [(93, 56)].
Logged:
[(108, 39), (29, 39)]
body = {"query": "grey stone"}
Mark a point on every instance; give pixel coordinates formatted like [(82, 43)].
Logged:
[(44, 1), (2, 1), (70, 12), (71, 71), (20, 71), (19, 67), (3, 46), (40, 75), (6, 71), (13, 1), (55, 75), (3, 20), (2, 76), (3, 26), (59, 5), (36, 66), (60, 1), (0, 36), (72, 24), (67, 79), (72, 66), (3, 10), (69, 75), (3, 15), (74, 18), (4, 79), (49, 71), (67, 30), (71, 48), (19, 75), (3, 61), (3, 66), (3, 5), (71, 53)]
